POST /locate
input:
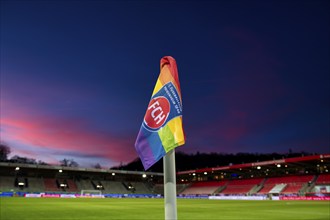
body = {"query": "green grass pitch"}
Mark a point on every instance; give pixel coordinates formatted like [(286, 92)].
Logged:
[(145, 209)]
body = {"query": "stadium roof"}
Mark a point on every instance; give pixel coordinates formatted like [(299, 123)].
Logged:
[(49, 168), (305, 164)]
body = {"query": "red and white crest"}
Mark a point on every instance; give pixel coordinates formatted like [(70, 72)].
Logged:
[(157, 113)]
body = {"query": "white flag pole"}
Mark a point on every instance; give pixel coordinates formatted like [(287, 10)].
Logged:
[(170, 186)]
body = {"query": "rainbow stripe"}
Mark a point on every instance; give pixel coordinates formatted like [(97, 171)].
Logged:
[(161, 130)]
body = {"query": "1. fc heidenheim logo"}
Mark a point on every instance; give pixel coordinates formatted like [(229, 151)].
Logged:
[(158, 110)]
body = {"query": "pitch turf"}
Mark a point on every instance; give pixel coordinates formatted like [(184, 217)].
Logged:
[(147, 209)]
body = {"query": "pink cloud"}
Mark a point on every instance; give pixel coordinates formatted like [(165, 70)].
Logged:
[(57, 134)]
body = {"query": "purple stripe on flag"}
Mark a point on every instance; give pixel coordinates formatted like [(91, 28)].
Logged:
[(144, 150), (149, 147)]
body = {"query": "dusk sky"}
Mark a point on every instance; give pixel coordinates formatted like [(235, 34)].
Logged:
[(77, 76)]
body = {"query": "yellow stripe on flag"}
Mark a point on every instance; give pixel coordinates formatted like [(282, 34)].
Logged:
[(175, 126), (158, 86)]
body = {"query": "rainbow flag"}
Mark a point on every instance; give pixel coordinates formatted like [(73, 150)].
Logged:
[(161, 130)]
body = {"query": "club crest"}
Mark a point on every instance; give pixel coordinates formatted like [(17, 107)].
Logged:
[(157, 113)]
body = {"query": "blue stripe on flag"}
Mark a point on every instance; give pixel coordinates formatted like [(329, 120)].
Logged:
[(155, 144)]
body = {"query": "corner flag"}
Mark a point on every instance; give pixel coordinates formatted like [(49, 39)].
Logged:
[(161, 130)]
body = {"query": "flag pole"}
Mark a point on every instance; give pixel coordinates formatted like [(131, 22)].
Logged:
[(170, 186)]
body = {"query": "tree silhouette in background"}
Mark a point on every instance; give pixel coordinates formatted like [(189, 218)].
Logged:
[(4, 151), (68, 163)]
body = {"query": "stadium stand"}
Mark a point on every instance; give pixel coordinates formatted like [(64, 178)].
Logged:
[(266, 189), (285, 184), (30, 184), (241, 186), (97, 185), (72, 187), (114, 187), (21, 183), (323, 179), (277, 188), (50, 185), (292, 188), (141, 188), (204, 188), (180, 188), (7, 183), (35, 185), (84, 185), (159, 188)]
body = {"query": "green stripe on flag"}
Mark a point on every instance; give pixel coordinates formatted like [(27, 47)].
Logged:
[(167, 138)]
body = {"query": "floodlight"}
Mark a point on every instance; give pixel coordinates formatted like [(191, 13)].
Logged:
[(144, 175), (17, 168)]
